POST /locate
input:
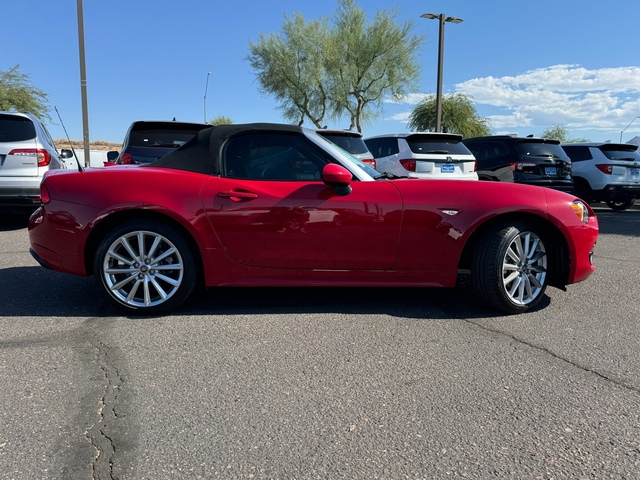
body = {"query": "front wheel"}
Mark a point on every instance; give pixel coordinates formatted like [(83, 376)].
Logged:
[(509, 269), (620, 204), (145, 267)]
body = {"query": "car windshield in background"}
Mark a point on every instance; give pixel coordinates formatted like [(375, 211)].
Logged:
[(165, 138), (616, 152), (433, 144), (539, 149), (364, 166), (353, 144), (16, 129)]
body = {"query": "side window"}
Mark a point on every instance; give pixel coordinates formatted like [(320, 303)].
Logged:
[(49, 138), (578, 153), (272, 156), (492, 150), (374, 145), (390, 146)]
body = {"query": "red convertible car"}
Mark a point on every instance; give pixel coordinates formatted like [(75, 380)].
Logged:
[(279, 205)]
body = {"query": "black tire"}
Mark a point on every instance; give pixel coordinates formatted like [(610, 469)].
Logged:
[(509, 267), (145, 267), (620, 204)]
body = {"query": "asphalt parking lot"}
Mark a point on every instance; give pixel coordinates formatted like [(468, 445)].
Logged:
[(321, 383)]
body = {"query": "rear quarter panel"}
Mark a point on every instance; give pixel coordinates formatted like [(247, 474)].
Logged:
[(81, 201)]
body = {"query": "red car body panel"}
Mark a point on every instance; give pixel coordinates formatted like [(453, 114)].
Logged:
[(252, 232)]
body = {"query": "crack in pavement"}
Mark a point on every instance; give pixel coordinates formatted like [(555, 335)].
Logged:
[(626, 383), (98, 434)]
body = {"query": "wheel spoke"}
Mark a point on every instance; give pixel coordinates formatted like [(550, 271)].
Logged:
[(163, 256), (127, 246), (122, 283)]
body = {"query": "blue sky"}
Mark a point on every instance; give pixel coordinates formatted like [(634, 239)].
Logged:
[(528, 64)]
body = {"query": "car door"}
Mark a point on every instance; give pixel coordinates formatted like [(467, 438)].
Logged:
[(270, 208)]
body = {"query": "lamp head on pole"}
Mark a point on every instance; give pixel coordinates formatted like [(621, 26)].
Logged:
[(433, 16)]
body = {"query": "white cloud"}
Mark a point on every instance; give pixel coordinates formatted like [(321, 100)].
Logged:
[(566, 95), (569, 95)]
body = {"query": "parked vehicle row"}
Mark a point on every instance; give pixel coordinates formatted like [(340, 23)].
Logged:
[(607, 172)]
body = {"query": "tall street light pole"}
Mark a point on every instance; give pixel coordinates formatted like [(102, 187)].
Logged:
[(628, 127), (442, 18), (206, 86), (83, 86)]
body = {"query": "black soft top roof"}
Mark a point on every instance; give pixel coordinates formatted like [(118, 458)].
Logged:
[(201, 153)]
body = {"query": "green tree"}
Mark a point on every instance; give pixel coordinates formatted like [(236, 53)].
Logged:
[(220, 120), (317, 71), (16, 94), (458, 116), (369, 61), (558, 132), (291, 68)]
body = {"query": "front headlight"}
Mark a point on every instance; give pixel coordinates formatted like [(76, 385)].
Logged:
[(581, 210)]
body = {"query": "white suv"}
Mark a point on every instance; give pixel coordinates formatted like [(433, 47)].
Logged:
[(26, 152), (605, 172), (423, 155)]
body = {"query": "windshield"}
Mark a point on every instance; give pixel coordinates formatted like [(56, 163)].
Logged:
[(14, 128), (539, 149), (349, 143), (365, 168), (442, 144), (628, 155)]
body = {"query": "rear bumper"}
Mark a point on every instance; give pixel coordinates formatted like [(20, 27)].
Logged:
[(19, 194), (617, 192), (565, 186)]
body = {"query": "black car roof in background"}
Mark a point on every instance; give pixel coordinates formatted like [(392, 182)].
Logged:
[(159, 124), (200, 153), (514, 139)]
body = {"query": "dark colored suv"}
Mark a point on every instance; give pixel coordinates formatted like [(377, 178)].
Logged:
[(146, 141), (530, 160)]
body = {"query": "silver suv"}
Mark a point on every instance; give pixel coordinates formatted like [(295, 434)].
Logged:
[(423, 155), (605, 172), (27, 151)]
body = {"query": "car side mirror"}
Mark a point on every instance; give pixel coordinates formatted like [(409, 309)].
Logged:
[(338, 177), (66, 153), (112, 155)]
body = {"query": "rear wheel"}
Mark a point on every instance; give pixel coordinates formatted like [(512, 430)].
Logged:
[(620, 204), (509, 270), (145, 267)]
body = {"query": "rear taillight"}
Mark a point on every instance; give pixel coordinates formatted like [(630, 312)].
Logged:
[(520, 166), (605, 168), (475, 166), (126, 159), (409, 164), (45, 196), (44, 157), (370, 161)]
